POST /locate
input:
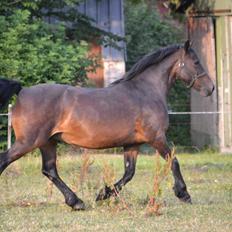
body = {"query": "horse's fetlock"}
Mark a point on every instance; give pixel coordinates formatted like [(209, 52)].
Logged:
[(71, 200)]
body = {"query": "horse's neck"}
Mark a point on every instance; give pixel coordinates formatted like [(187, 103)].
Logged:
[(157, 77)]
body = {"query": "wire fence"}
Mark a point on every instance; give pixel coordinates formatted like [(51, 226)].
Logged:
[(194, 113), (185, 122)]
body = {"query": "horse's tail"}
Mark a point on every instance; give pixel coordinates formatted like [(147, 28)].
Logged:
[(7, 89)]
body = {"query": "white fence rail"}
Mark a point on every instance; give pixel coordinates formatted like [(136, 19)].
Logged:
[(194, 113)]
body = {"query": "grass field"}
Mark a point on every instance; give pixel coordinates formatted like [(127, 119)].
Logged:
[(28, 202)]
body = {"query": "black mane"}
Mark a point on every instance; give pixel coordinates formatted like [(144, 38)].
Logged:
[(7, 89), (150, 59)]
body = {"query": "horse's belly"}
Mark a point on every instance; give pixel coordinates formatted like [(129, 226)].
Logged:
[(98, 125), (96, 141), (99, 135)]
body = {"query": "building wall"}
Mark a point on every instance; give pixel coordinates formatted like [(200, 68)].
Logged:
[(108, 15), (211, 26), (224, 79), (204, 127), (97, 77)]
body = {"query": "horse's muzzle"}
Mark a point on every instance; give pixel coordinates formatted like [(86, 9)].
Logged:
[(205, 92)]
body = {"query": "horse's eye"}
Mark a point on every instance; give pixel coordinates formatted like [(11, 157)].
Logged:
[(181, 65), (196, 62)]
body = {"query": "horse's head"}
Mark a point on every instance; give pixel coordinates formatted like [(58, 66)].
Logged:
[(190, 70)]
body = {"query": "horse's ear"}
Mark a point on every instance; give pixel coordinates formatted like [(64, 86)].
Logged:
[(187, 45)]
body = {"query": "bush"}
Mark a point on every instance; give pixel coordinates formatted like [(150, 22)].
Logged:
[(3, 133), (146, 31), (38, 52)]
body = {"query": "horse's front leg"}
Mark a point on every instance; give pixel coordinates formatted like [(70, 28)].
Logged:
[(180, 188), (130, 157)]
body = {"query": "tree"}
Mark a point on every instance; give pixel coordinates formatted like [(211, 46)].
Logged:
[(77, 25), (37, 52), (146, 30), (176, 6)]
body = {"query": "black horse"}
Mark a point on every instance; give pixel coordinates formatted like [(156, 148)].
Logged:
[(130, 112)]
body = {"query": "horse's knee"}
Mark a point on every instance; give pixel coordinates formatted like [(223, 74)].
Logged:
[(130, 163), (18, 149), (51, 174), (6, 158), (46, 173)]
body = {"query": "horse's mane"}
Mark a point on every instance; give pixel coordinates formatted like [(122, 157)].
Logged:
[(150, 59)]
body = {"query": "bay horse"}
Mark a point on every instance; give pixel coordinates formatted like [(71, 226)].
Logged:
[(130, 112)]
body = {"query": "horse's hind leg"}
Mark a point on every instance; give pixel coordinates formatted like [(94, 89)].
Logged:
[(130, 157), (18, 149), (49, 169), (180, 187)]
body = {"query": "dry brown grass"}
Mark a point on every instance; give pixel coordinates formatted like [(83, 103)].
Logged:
[(86, 162), (23, 205), (108, 174), (117, 201), (49, 190), (161, 173)]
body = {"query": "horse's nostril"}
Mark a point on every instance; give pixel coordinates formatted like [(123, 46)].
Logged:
[(213, 88)]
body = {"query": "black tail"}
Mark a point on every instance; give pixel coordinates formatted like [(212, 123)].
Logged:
[(7, 89)]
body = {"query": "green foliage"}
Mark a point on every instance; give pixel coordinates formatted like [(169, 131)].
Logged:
[(179, 129), (38, 52), (3, 133), (145, 32), (77, 25)]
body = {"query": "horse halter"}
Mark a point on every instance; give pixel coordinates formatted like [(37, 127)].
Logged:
[(195, 77)]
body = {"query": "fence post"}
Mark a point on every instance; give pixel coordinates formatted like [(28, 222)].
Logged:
[(9, 132)]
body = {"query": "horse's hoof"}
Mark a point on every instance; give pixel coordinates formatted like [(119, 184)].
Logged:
[(79, 206), (104, 194), (183, 195), (186, 199)]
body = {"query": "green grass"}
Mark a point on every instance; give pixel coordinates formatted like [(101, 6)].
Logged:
[(28, 202)]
